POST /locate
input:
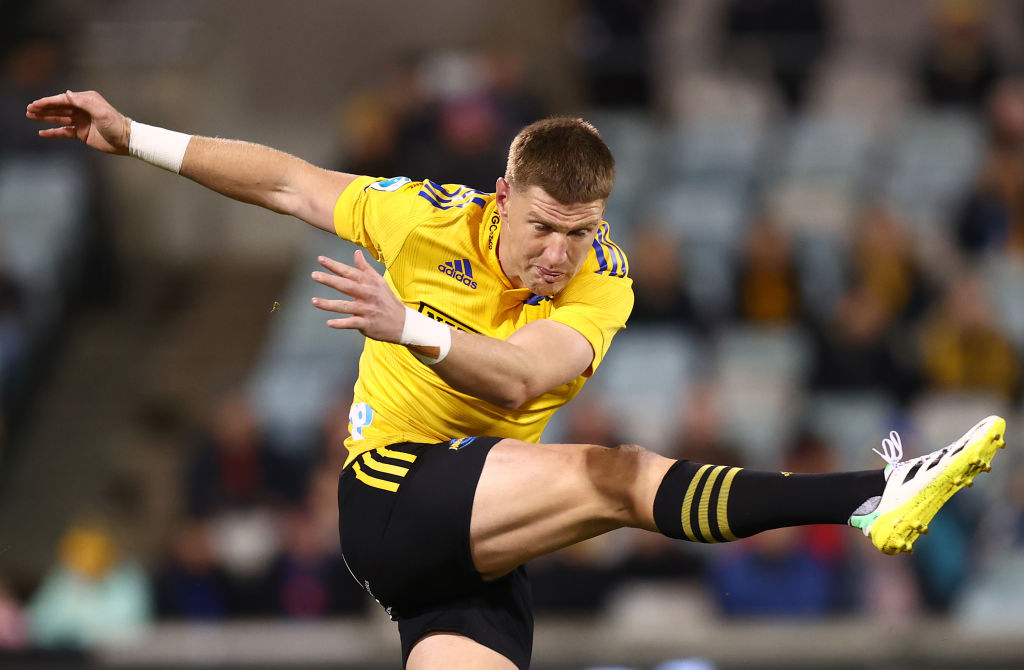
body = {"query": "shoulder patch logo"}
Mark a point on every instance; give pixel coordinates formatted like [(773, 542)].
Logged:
[(392, 184), (460, 270)]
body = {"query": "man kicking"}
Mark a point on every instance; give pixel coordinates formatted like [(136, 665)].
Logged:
[(493, 311)]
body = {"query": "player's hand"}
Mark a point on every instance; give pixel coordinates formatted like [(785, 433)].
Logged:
[(375, 310), (85, 116)]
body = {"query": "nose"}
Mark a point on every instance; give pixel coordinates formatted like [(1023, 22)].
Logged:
[(556, 251)]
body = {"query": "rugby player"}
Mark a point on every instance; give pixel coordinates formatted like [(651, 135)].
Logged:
[(493, 311)]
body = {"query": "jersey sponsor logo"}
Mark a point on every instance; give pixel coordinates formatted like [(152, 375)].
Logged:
[(437, 315), (392, 184), (461, 271), (492, 230)]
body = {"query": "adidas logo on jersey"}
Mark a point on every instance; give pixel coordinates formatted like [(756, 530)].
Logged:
[(460, 271)]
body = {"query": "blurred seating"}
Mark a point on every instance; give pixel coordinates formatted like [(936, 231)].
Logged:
[(759, 374), (714, 149), (931, 163), (644, 377), (305, 366), (855, 422)]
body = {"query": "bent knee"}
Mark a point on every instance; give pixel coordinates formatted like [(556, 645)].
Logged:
[(625, 477)]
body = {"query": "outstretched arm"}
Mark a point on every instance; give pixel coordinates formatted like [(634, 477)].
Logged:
[(247, 172), (536, 358)]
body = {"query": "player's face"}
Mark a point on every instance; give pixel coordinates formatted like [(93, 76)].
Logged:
[(543, 242)]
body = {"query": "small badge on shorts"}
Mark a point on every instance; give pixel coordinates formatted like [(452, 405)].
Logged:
[(460, 442)]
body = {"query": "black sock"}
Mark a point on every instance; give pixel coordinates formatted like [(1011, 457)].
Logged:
[(717, 503)]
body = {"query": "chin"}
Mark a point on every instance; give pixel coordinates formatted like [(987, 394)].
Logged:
[(543, 288)]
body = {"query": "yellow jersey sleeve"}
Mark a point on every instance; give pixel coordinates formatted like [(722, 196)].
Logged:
[(597, 302), (376, 214)]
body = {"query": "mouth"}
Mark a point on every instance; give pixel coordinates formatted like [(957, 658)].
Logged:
[(549, 276)]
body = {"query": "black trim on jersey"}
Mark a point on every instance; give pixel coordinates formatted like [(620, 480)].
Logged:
[(437, 315)]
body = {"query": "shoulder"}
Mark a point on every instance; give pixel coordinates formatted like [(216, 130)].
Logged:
[(606, 257), (445, 197)]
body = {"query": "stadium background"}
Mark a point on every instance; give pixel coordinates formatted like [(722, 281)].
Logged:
[(823, 202)]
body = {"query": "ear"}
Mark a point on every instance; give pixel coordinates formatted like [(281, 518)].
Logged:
[(502, 192)]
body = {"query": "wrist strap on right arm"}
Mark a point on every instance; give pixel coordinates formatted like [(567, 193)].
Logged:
[(427, 339), (158, 146)]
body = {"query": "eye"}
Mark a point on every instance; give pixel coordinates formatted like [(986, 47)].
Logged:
[(580, 234)]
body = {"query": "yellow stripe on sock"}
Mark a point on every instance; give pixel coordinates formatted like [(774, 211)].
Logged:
[(370, 480), (384, 467), (723, 505), (398, 455), (688, 501), (705, 503)]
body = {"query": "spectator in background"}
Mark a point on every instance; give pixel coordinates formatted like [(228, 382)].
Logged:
[(959, 65), (13, 340), (884, 264), (788, 37), (858, 349), (31, 65), (768, 281), (613, 42), (369, 126), (591, 421), (14, 634), (700, 430), (191, 584), (91, 596), (964, 349), (231, 466), (658, 281), (309, 579), (992, 218), (464, 106)]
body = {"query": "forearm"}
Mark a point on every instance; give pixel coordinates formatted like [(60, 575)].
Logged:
[(247, 172), (488, 368)]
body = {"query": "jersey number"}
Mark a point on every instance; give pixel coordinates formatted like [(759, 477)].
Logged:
[(359, 417)]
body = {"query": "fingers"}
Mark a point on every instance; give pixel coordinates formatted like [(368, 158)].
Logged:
[(349, 323), (55, 118), (362, 263), (338, 268), (67, 133), (64, 104), (343, 284), (339, 306), (60, 100)]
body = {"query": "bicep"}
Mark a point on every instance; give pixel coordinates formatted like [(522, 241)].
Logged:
[(558, 353), (313, 193)]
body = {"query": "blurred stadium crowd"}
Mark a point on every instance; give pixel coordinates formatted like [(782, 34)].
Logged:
[(822, 251)]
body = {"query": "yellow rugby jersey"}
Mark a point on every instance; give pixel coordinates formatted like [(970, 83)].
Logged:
[(439, 245)]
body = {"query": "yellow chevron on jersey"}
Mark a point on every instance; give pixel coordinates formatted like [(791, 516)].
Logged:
[(439, 246)]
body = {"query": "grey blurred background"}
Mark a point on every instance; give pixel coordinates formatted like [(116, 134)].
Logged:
[(823, 203)]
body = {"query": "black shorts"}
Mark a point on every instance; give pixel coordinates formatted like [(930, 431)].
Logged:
[(404, 523)]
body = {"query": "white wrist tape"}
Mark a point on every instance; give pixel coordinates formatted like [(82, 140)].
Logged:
[(158, 146), (428, 340)]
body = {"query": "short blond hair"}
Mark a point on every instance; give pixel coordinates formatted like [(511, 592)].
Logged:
[(564, 156)]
